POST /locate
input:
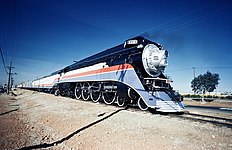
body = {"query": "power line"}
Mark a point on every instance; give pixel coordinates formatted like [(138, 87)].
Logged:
[(194, 68), (177, 18), (13, 23), (226, 67), (195, 21), (183, 24), (3, 61), (188, 22)]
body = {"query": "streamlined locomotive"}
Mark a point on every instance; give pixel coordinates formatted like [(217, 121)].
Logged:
[(131, 73)]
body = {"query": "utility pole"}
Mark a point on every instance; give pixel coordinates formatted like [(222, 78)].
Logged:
[(194, 75), (9, 78), (12, 81), (194, 72)]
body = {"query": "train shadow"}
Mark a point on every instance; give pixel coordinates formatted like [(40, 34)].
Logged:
[(47, 145), (9, 111), (154, 111)]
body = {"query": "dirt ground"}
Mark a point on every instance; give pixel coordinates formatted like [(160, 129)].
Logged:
[(33, 120)]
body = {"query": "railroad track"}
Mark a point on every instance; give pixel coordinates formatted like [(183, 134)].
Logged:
[(219, 121)]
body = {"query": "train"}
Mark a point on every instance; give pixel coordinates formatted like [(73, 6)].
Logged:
[(131, 73)]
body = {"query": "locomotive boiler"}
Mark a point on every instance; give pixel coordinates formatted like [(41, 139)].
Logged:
[(131, 73)]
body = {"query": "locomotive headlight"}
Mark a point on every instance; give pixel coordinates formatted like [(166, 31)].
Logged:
[(154, 60)]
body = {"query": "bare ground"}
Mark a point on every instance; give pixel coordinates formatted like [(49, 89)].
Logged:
[(33, 120)]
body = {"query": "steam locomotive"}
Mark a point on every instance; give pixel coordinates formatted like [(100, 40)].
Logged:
[(128, 74)]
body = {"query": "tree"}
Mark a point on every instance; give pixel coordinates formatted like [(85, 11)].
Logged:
[(205, 83)]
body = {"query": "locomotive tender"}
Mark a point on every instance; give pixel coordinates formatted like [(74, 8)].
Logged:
[(128, 74)]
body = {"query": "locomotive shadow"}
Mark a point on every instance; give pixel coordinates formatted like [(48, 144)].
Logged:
[(9, 112), (47, 145)]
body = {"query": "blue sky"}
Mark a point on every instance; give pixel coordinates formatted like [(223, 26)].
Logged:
[(42, 36)]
